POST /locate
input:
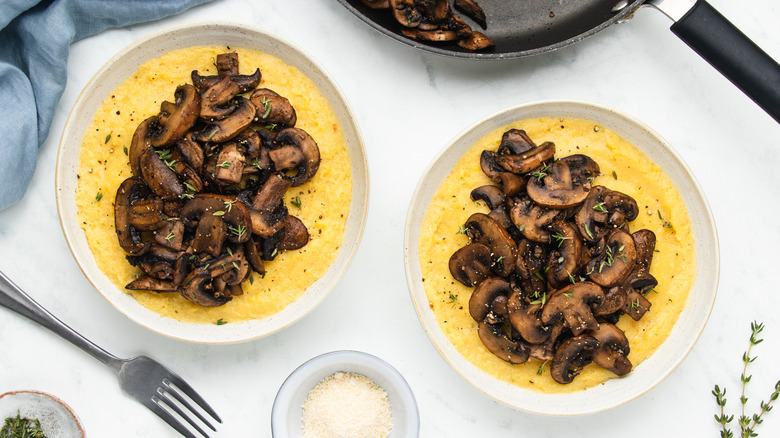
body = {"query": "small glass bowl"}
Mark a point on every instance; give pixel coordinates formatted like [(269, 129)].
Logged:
[(286, 416)]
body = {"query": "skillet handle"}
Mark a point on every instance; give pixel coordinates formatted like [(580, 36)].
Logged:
[(733, 54)]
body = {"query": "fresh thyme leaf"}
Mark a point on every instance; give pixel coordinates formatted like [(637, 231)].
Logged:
[(125, 150), (600, 207), (461, 230), (220, 321), (108, 137), (266, 101), (99, 196), (296, 202), (225, 164), (21, 427), (219, 213), (453, 299)]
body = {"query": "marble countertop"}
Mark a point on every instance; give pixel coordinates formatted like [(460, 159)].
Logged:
[(408, 105)]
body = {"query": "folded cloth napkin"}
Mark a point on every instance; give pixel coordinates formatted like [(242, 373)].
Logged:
[(34, 43)]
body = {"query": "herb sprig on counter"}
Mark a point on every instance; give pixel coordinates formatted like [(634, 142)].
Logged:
[(19, 427), (747, 424)]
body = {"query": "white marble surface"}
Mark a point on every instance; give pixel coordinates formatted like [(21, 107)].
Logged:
[(409, 105)]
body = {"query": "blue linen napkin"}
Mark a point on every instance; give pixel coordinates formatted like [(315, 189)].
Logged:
[(34, 44)]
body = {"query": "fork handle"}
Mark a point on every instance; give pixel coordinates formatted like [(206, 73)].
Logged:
[(15, 299)]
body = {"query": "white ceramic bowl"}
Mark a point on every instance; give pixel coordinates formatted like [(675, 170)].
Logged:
[(57, 419), (286, 417), (118, 69), (684, 334)]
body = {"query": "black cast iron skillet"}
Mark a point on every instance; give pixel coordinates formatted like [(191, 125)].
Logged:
[(529, 27)]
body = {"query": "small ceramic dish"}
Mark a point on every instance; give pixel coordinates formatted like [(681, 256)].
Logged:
[(286, 417), (691, 321), (125, 64), (56, 418)]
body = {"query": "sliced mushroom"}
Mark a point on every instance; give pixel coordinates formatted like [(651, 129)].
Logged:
[(492, 196), (230, 163), (473, 10), (482, 229), (573, 304), (637, 286), (617, 261), (481, 301), (528, 160), (377, 4), (525, 319), (217, 101), (406, 13), (582, 168), (565, 257), (571, 357), (267, 211), (511, 183), (159, 176), (198, 290), (176, 118), (227, 64), (471, 264), (191, 151), (592, 215), (253, 256), (612, 353), (644, 241), (220, 131), (171, 234), (434, 35), (141, 142), (621, 208), (150, 283), (295, 235), (498, 343), (298, 138), (489, 166), (532, 220), (235, 215), (557, 189), (272, 108), (614, 301), (129, 192), (476, 41), (210, 234)]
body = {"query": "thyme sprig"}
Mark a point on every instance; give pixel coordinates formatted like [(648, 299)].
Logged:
[(747, 424)]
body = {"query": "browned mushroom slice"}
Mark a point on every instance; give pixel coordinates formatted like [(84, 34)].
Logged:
[(511, 183), (233, 213), (406, 13), (528, 160), (435, 11), (227, 64), (250, 140), (592, 215), (434, 35), (295, 235), (159, 176), (515, 142), (230, 163), (210, 234), (220, 131), (532, 220), (198, 290), (531, 258), (471, 264), (244, 82), (545, 351), (150, 283), (481, 301), (571, 357), (476, 41), (573, 304), (637, 286), (498, 343), (612, 353), (146, 214), (191, 151), (482, 229), (298, 138), (267, 211), (614, 301), (644, 241), (565, 256), (129, 192), (582, 168), (621, 208), (492, 196), (286, 157), (253, 256), (616, 263), (473, 10), (271, 108), (217, 101), (525, 319), (175, 119), (557, 189), (141, 142), (171, 234)]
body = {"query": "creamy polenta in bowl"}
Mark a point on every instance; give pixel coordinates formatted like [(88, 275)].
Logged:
[(561, 257), (135, 215)]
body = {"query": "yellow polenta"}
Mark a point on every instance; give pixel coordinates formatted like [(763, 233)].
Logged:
[(324, 201), (623, 168)]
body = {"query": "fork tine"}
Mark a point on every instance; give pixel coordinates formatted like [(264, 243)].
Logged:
[(193, 395), (163, 397), (172, 390), (170, 419)]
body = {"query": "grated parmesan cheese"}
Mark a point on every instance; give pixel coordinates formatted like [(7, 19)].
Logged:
[(347, 405)]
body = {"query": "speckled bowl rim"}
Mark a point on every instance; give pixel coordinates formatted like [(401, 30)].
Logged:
[(691, 322), (286, 413), (57, 400), (124, 64)]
